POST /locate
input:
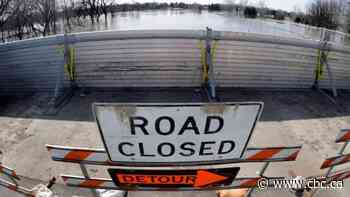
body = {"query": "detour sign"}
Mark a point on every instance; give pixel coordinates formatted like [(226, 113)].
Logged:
[(167, 179), (183, 133)]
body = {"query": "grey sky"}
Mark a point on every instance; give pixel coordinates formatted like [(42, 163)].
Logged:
[(276, 4)]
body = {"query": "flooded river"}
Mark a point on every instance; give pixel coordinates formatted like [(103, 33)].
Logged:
[(188, 19)]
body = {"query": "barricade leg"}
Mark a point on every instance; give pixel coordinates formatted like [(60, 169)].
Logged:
[(86, 175), (261, 173)]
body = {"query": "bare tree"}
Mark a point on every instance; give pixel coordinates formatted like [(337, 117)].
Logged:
[(22, 20), (104, 6), (68, 13), (46, 11), (5, 13), (92, 7), (241, 6), (347, 19), (325, 13), (262, 7)]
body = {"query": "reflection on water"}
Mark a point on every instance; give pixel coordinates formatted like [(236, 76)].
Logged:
[(188, 19)]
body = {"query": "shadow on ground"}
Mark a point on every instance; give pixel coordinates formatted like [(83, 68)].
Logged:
[(279, 105)]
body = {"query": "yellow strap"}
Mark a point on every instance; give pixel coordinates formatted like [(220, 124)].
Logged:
[(205, 74), (205, 67), (319, 64), (72, 63), (69, 67)]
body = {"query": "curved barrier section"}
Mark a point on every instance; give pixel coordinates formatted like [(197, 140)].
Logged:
[(169, 58), (138, 63), (32, 65)]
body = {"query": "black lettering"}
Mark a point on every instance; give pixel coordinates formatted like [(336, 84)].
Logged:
[(208, 123), (222, 145), (121, 150), (161, 149), (187, 146), (141, 126), (142, 151), (204, 147), (190, 124), (171, 125)]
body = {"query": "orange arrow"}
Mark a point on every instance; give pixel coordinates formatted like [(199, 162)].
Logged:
[(205, 178)]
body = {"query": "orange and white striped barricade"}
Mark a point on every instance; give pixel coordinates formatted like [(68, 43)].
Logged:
[(16, 188), (8, 171), (340, 175), (343, 136), (334, 161), (14, 185), (84, 156), (274, 154), (100, 157)]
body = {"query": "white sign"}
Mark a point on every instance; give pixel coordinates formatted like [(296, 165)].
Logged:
[(165, 133)]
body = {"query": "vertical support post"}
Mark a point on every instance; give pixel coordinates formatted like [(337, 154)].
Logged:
[(318, 62), (209, 64), (59, 82), (261, 173), (322, 34), (320, 55), (86, 176), (331, 79), (60, 69), (324, 48)]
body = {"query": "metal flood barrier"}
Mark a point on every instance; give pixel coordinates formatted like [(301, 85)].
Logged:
[(31, 65), (169, 58)]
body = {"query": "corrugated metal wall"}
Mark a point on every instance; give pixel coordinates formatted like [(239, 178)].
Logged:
[(30, 65), (340, 68), (253, 60), (251, 64), (138, 63), (168, 58)]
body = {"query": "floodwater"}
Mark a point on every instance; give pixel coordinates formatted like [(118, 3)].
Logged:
[(190, 19)]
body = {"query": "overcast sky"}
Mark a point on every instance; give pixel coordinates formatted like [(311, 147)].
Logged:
[(276, 4)]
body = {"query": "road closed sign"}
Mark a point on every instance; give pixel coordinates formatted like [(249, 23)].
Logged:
[(160, 134)]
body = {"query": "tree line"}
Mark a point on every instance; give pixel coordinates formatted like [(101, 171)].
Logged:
[(27, 18), (20, 19), (330, 14)]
